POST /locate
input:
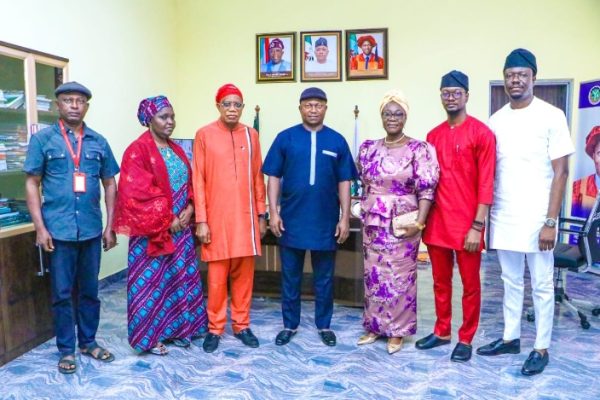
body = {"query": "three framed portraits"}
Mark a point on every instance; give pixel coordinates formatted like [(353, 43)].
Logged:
[(320, 55)]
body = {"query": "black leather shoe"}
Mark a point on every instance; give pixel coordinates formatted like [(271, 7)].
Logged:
[(284, 337), (211, 342), (430, 341), (535, 363), (247, 337), (461, 353), (328, 337), (498, 347)]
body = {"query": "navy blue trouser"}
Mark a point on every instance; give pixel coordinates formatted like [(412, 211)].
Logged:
[(75, 266), (292, 263)]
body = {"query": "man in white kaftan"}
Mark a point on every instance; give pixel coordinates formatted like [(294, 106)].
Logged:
[(533, 144)]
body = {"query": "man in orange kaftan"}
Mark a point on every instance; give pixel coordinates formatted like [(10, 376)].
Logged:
[(229, 196)]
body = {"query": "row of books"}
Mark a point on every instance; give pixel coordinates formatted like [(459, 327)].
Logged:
[(15, 100), (13, 149), (12, 99), (13, 212)]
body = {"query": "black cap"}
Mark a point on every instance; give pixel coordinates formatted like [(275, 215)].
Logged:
[(455, 78), (521, 58), (321, 42), (313, 93), (69, 87)]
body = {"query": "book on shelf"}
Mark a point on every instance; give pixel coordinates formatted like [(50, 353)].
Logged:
[(43, 103), (12, 99), (3, 164)]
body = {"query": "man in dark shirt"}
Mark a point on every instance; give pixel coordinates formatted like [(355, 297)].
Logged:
[(310, 165), (68, 160)]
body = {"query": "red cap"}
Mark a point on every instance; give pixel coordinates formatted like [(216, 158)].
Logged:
[(226, 90), (367, 38), (592, 140)]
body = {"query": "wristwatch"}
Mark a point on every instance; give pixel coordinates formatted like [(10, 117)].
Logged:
[(550, 222)]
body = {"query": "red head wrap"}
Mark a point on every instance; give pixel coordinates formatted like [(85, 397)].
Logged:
[(367, 38), (226, 90), (592, 140)]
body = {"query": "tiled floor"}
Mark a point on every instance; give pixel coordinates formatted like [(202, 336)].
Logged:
[(308, 369)]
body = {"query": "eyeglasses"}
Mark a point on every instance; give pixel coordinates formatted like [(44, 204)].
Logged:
[(457, 94), (235, 104), (70, 101), (316, 106), (522, 76), (390, 115)]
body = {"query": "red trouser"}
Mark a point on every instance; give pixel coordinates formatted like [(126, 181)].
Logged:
[(241, 271), (442, 263)]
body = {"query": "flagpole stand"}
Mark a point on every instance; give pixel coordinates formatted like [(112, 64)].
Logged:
[(355, 187), (256, 124)]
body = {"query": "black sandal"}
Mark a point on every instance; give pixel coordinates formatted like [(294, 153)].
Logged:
[(67, 364), (101, 353)]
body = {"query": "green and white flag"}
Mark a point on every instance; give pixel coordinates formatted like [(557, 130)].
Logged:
[(309, 54)]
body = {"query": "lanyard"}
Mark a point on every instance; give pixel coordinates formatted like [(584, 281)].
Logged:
[(76, 157)]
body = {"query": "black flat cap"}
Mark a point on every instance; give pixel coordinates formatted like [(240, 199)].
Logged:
[(521, 58), (313, 93), (69, 87), (455, 78)]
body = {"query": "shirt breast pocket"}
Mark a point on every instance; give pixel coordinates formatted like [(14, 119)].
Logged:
[(327, 166), (463, 158), (56, 162), (91, 162)]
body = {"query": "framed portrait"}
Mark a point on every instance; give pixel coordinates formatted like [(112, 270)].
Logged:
[(275, 57), (367, 54), (321, 56)]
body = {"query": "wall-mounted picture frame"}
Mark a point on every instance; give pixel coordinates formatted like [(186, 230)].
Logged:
[(275, 60), (367, 54), (321, 56)]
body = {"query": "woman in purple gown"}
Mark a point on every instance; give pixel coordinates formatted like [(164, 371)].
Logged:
[(399, 175)]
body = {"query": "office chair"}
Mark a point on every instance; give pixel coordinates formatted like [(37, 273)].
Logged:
[(575, 258)]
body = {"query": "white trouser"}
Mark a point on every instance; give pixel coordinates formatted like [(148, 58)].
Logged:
[(541, 270)]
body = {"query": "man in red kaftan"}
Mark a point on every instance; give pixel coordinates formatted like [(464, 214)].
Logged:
[(466, 150)]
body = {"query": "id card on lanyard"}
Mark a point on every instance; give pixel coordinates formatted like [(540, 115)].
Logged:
[(78, 177)]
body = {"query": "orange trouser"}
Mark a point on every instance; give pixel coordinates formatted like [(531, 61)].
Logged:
[(241, 271)]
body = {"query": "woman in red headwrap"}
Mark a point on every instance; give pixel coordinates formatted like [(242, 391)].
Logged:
[(154, 207), (585, 189)]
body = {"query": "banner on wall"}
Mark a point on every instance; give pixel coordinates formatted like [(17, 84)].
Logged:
[(586, 176)]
